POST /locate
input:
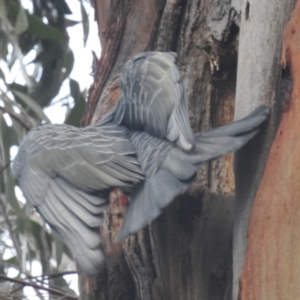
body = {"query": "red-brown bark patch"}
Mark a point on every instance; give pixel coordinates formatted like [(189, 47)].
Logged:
[(272, 267)]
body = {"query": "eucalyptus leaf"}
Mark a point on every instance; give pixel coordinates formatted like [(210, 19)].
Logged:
[(36, 26), (63, 7), (11, 196), (85, 23), (39, 234), (44, 31), (69, 63), (63, 285), (2, 75), (3, 11), (12, 261), (70, 23), (27, 42), (22, 223), (59, 247), (22, 21), (3, 46), (32, 105), (74, 88), (75, 114)]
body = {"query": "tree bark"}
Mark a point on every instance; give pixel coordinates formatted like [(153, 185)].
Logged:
[(187, 252), (271, 243)]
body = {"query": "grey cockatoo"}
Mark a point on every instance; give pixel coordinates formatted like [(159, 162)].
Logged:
[(144, 146)]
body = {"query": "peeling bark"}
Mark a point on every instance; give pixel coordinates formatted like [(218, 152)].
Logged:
[(272, 263), (259, 80)]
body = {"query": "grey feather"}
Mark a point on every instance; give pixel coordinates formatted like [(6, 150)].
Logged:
[(153, 98), (173, 169), (144, 146), (64, 171)]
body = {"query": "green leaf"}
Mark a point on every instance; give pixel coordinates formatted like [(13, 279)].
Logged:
[(63, 7), (3, 11), (59, 247), (35, 25), (70, 23), (68, 252), (32, 105), (12, 261), (3, 46), (22, 223), (2, 75), (27, 42), (74, 88), (63, 285), (69, 63), (6, 141), (11, 196), (44, 31), (39, 234), (22, 22), (11, 137), (79, 98), (11, 59), (85, 23)]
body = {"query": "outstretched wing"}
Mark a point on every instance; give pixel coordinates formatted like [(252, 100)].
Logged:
[(153, 98), (64, 171), (93, 159)]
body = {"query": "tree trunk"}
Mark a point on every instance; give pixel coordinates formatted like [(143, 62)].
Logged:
[(187, 252)]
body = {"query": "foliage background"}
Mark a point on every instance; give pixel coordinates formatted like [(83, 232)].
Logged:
[(35, 63)]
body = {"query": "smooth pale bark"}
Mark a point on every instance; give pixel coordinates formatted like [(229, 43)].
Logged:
[(187, 252), (271, 269), (260, 79)]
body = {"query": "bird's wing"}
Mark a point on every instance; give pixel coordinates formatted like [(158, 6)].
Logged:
[(93, 159), (71, 213), (169, 170), (153, 98), (64, 171)]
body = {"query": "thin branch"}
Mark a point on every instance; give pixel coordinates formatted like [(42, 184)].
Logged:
[(16, 117), (44, 277), (48, 276), (60, 100), (39, 287), (34, 279), (5, 167), (55, 275)]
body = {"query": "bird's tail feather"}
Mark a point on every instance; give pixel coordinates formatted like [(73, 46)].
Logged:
[(178, 168)]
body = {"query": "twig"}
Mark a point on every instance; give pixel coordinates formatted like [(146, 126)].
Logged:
[(39, 287), (48, 276), (34, 279), (5, 167), (59, 100), (55, 275), (16, 117)]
